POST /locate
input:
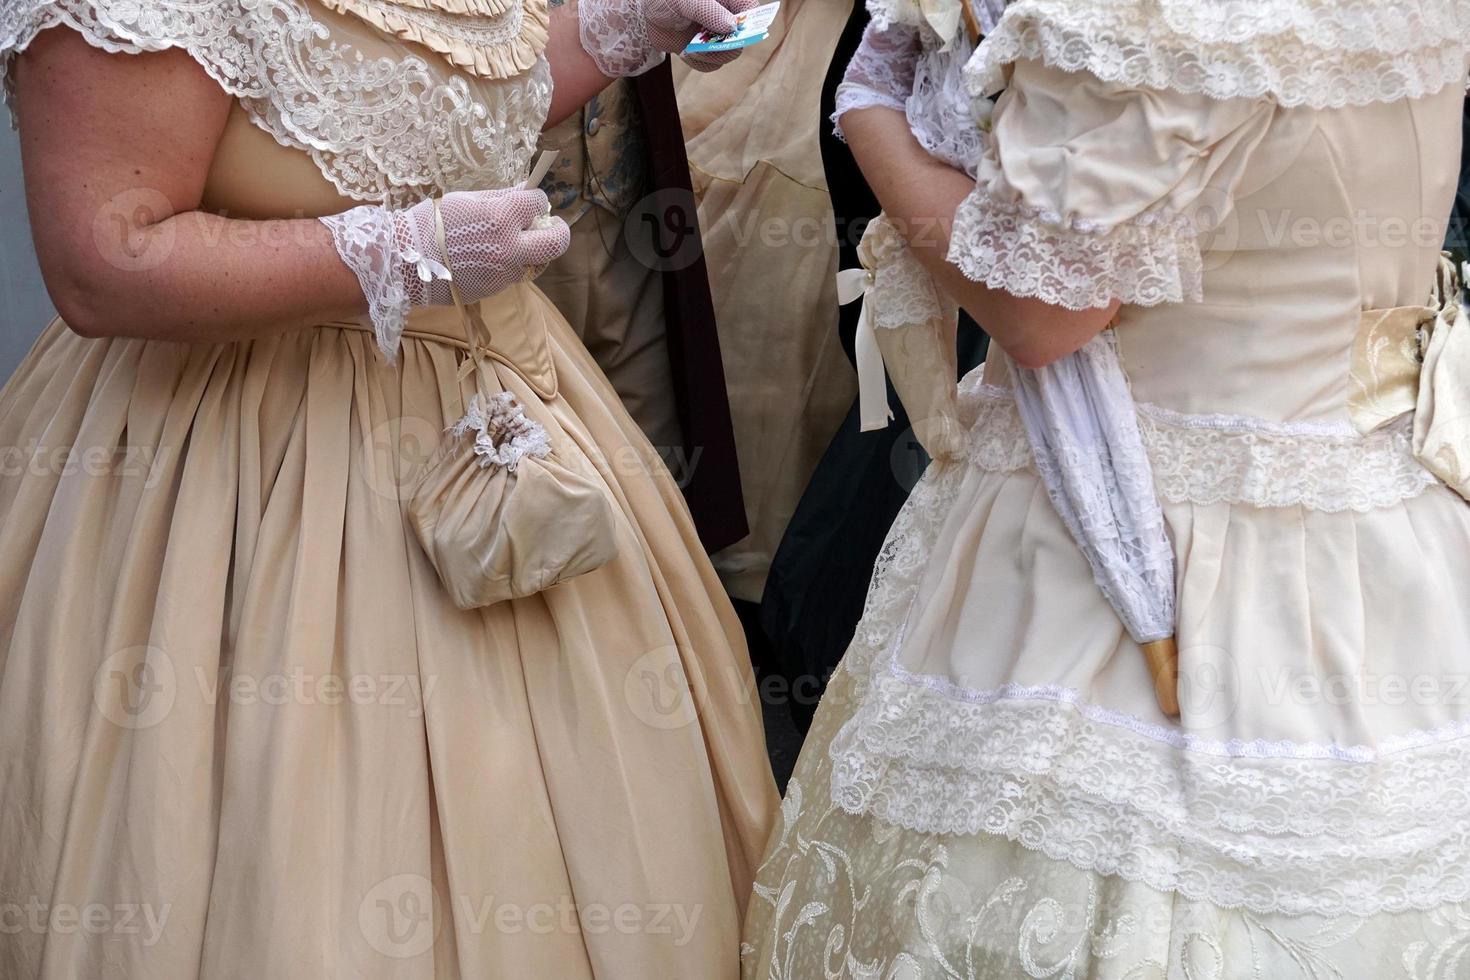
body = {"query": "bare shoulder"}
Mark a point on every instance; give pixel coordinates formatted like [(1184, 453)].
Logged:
[(100, 132)]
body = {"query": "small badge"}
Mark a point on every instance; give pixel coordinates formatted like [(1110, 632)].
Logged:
[(752, 27)]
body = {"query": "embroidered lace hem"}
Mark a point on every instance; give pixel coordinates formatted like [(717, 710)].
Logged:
[(1292, 828), (1288, 835)]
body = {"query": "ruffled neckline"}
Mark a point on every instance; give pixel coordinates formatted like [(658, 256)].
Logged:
[(1313, 53), (495, 39)]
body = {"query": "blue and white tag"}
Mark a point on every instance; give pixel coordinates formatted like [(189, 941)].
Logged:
[(753, 26)]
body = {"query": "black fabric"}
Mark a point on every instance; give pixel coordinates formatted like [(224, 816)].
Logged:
[(819, 577), (667, 221), (1457, 239)]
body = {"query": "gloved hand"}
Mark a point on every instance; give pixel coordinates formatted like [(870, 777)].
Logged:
[(628, 37), (492, 239)]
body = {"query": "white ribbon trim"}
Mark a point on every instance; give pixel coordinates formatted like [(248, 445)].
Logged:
[(874, 411)]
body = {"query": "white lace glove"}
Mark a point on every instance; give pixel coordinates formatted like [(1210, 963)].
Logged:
[(628, 37), (492, 239)]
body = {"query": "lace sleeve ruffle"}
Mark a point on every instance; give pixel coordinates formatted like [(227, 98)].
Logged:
[(1027, 251), (881, 72), (1314, 53), (1089, 191), (381, 123)]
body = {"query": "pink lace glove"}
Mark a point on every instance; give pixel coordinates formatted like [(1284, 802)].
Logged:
[(628, 37), (492, 239)]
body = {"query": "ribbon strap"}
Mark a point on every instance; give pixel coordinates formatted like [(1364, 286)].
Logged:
[(469, 320), (873, 408)]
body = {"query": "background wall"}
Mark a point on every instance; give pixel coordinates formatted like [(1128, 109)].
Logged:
[(24, 306)]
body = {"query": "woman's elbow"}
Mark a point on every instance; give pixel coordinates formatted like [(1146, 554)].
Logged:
[(1033, 354), (88, 306), (81, 313)]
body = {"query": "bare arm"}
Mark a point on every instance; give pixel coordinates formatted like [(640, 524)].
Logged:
[(920, 194), (575, 75), (116, 150)]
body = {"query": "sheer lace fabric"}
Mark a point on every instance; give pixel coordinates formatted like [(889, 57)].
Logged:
[(1314, 53), (881, 72), (615, 34), (388, 128), (982, 907), (1083, 429), (903, 66), (365, 240), (491, 240), (1214, 814), (1214, 459)]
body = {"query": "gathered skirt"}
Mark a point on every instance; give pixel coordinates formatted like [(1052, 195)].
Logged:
[(989, 790), (245, 733)]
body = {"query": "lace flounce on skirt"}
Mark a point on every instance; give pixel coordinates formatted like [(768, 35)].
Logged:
[(238, 707), (990, 791)]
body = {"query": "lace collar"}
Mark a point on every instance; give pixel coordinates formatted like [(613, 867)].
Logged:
[(381, 123), (1313, 53)]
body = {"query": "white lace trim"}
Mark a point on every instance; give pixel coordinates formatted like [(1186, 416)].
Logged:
[(1271, 833), (504, 434), (380, 129), (1028, 251), (363, 237), (1278, 827), (1211, 459), (1316, 53)]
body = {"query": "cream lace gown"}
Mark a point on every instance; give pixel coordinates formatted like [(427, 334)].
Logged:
[(990, 790), (243, 730)]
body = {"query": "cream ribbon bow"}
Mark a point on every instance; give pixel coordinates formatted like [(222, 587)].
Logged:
[(906, 332), (874, 411)]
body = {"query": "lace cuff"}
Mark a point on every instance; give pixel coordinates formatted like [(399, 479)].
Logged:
[(363, 238), (1028, 251), (615, 35)]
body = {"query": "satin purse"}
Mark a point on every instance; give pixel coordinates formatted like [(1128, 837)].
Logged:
[(506, 508), (502, 515)]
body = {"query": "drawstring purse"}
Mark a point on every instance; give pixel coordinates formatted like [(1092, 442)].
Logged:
[(506, 509)]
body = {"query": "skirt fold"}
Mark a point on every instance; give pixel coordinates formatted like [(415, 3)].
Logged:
[(238, 709)]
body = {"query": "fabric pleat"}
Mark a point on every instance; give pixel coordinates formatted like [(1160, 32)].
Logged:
[(238, 710)]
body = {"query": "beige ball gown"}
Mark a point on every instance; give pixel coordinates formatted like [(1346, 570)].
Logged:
[(243, 730), (990, 789)]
